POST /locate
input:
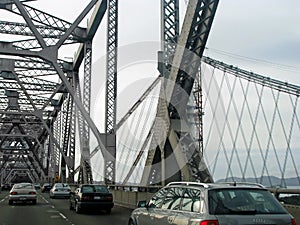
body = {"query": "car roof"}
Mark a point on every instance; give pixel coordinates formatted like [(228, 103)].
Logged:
[(217, 185), (102, 185)]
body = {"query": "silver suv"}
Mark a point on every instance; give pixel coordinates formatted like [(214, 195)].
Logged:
[(191, 203)]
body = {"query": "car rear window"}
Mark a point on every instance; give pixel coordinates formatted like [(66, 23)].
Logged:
[(243, 201), (23, 185), (101, 189), (94, 188)]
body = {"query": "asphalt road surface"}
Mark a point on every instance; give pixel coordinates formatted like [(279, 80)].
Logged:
[(55, 212)]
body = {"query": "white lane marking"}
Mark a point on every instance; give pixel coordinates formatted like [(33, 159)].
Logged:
[(63, 216), (4, 198), (42, 197), (54, 211)]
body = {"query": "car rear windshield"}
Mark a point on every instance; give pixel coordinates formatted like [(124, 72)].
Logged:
[(94, 188), (23, 185), (243, 201)]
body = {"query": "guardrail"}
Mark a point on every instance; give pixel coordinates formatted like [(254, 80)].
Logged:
[(278, 191)]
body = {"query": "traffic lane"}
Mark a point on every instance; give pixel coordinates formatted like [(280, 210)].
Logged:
[(119, 215), (42, 213), (56, 211)]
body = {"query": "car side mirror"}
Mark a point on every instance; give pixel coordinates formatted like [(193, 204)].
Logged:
[(142, 204)]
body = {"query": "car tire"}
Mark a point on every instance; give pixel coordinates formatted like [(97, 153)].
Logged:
[(108, 211), (10, 202), (77, 208), (34, 202)]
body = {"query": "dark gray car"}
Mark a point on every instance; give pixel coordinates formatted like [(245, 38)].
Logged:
[(191, 203)]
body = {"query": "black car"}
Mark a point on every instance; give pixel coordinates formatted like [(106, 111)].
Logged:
[(46, 187), (5, 187), (91, 196)]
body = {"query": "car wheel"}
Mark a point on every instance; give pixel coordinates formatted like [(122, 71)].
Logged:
[(10, 202), (77, 208), (108, 211), (34, 202)]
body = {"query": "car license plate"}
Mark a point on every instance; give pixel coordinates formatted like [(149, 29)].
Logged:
[(97, 197)]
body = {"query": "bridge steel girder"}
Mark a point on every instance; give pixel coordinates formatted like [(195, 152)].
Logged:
[(22, 29), (47, 53), (111, 90), (179, 146), (254, 77), (169, 35), (86, 174)]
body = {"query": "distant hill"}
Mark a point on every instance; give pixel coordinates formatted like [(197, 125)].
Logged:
[(268, 181)]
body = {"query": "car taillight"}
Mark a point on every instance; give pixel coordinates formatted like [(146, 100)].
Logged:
[(209, 222), (109, 198), (294, 221), (14, 193), (86, 198), (32, 193)]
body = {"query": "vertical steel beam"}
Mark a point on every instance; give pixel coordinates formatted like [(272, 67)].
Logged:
[(169, 34), (111, 89), (72, 137), (85, 156), (66, 135)]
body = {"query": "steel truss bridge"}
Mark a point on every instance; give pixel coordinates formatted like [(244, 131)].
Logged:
[(200, 119)]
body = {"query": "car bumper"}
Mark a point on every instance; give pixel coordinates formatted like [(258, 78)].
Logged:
[(23, 198), (99, 205), (60, 194), (45, 189)]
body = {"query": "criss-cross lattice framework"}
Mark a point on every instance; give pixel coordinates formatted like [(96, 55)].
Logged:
[(39, 97)]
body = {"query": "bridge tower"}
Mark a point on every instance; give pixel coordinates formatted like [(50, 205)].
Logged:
[(173, 154)]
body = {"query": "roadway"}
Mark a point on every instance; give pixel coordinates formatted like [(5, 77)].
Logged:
[(55, 211)]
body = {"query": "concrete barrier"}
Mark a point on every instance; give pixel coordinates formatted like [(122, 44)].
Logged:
[(130, 196), (294, 210)]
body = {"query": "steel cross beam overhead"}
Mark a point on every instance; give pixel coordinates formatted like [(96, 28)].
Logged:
[(33, 103), (180, 158)]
